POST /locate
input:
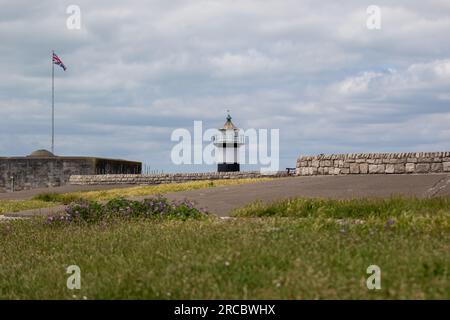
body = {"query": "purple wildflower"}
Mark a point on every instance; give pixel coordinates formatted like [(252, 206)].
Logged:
[(389, 223)]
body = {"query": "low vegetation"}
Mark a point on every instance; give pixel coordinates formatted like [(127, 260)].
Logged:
[(45, 200), (20, 205), (351, 208), (296, 249), (124, 209)]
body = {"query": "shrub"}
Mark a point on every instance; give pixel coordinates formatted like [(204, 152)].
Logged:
[(64, 198), (158, 207), (47, 197), (184, 210), (84, 210)]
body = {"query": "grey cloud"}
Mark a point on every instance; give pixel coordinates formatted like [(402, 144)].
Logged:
[(137, 70)]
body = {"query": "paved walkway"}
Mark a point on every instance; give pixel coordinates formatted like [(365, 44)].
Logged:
[(221, 200)]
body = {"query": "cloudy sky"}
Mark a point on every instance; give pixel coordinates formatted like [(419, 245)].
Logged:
[(137, 70)]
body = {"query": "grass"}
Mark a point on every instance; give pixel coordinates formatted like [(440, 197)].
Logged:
[(52, 199), (350, 208), (20, 205), (321, 252)]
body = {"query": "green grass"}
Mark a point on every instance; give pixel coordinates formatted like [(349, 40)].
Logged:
[(20, 205), (105, 195), (353, 208), (320, 255), (52, 199)]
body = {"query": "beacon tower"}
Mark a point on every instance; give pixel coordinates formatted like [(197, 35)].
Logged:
[(227, 144)]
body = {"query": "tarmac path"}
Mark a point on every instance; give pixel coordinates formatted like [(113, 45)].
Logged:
[(222, 200)]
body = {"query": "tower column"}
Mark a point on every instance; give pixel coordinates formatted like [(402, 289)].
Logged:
[(227, 144)]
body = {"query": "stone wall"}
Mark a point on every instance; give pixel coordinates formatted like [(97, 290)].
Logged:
[(23, 173), (374, 163), (164, 178)]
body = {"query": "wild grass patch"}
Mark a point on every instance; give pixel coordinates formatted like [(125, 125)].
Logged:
[(259, 258), (353, 208), (120, 208), (20, 205), (295, 249), (148, 190)]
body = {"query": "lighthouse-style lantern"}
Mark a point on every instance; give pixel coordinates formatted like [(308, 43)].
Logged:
[(227, 144)]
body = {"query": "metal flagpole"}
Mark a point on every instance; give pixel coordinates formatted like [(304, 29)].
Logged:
[(53, 104)]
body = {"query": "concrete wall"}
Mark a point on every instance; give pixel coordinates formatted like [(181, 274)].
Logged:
[(28, 173), (164, 178), (374, 163), (22, 173)]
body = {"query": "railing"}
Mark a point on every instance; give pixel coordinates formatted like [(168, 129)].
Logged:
[(229, 139), (290, 171)]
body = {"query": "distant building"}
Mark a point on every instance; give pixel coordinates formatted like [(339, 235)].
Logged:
[(43, 169), (227, 143)]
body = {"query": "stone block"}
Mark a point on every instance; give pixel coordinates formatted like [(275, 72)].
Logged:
[(364, 168), (389, 168), (339, 163), (315, 163), (399, 168), (410, 167), (395, 161), (422, 168), (325, 163), (446, 166), (437, 167), (354, 168), (376, 168)]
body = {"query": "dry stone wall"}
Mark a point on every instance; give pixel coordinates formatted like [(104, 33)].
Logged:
[(164, 178), (374, 163)]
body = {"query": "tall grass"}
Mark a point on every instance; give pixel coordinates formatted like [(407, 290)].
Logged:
[(353, 208), (262, 258), (142, 190), (20, 205)]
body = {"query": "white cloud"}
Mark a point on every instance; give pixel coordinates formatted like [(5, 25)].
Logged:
[(138, 70), (251, 62)]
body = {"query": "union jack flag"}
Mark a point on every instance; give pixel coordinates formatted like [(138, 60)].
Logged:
[(57, 60)]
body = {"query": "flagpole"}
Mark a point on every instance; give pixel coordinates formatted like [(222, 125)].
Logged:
[(53, 104)]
